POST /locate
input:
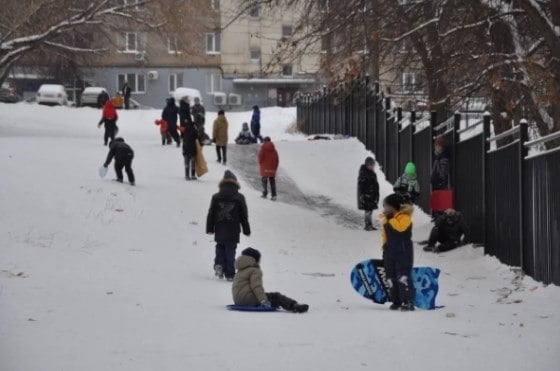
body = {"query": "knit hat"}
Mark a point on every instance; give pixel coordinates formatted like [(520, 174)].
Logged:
[(370, 161), (410, 169), (228, 175), (394, 200), (221, 112), (267, 139), (252, 253)]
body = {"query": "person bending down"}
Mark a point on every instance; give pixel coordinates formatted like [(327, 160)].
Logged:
[(123, 155), (449, 232), (248, 287)]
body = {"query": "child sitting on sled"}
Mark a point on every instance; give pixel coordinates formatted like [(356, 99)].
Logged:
[(398, 253), (248, 288)]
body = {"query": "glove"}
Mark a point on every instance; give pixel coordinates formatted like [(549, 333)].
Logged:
[(105, 166), (265, 304)]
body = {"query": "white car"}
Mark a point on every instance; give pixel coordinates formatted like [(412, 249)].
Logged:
[(189, 93), (52, 94), (91, 94)]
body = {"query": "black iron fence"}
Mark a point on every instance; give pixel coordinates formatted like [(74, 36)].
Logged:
[(509, 199)]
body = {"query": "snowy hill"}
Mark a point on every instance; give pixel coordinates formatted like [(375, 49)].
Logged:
[(96, 275)]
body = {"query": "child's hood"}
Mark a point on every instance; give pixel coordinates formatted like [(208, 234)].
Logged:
[(244, 262)]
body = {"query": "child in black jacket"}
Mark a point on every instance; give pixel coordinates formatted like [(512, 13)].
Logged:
[(368, 191)]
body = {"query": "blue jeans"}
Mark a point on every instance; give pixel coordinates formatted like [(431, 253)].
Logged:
[(225, 257)]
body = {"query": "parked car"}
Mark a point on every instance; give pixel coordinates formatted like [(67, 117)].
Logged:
[(52, 94), (8, 93), (90, 96), (181, 93)]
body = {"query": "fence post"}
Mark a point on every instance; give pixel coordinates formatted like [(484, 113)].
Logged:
[(485, 148), (412, 130), (523, 152), (399, 114)]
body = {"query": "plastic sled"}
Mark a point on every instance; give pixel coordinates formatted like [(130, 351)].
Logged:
[(240, 308), (103, 171)]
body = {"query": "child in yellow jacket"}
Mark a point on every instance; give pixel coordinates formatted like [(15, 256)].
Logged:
[(398, 252)]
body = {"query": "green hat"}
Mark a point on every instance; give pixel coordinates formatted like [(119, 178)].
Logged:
[(410, 169)]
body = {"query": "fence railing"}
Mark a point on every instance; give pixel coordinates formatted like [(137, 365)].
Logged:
[(509, 199)]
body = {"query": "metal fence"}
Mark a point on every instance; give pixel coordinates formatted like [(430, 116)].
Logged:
[(510, 201)]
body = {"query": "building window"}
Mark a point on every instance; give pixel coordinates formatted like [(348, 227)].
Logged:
[(212, 43), (215, 4), (325, 43), (137, 82), (288, 70), (131, 42), (255, 55), (213, 83), (172, 82), (287, 31), (255, 12), (411, 82), (172, 47), (140, 5)]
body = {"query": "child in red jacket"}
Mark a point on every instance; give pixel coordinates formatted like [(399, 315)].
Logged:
[(268, 162), (164, 130)]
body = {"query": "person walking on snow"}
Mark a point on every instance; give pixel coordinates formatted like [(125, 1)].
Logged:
[(256, 124), (368, 191), (398, 252), (248, 290), (169, 114), (220, 136), (190, 136), (226, 217), (126, 91), (199, 118), (163, 130), (109, 118), (123, 155), (184, 112), (407, 185), (268, 163)]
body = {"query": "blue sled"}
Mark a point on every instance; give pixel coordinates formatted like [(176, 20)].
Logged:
[(241, 308)]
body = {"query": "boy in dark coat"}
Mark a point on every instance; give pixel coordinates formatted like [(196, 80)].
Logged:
[(441, 166), (248, 290), (169, 114), (450, 232), (398, 253), (123, 155), (126, 91), (256, 124), (226, 216), (368, 191), (190, 136)]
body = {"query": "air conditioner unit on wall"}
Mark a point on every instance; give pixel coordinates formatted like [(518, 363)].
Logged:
[(153, 75), (235, 100), (140, 56), (220, 99)]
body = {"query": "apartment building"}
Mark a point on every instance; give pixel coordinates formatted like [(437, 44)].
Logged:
[(225, 56)]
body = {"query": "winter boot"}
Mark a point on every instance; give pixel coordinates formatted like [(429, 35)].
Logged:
[(219, 271), (429, 248), (395, 306), (407, 307), (264, 195), (300, 308), (273, 198)]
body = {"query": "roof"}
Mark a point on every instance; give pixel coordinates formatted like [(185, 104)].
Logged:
[(274, 81)]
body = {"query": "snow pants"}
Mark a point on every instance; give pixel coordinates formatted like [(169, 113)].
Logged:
[(398, 268), (221, 151), (265, 181), (445, 244), (190, 168), (278, 300), (110, 130), (225, 257), (127, 165)]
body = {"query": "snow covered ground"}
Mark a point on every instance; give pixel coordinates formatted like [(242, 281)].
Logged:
[(96, 275)]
